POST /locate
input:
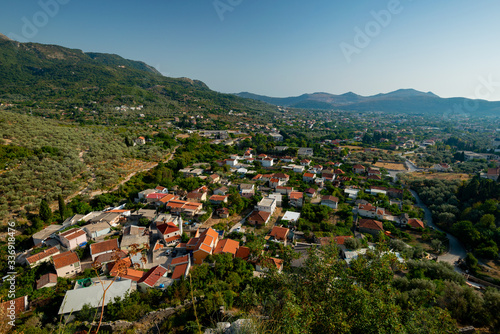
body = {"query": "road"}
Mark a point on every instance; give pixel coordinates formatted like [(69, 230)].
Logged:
[(412, 167), (456, 250)]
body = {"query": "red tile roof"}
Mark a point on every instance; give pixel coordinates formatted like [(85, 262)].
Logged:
[(179, 260), (309, 175), (175, 237), (179, 271), (72, 234), (279, 232), (330, 198), (416, 223), (43, 255), (20, 305), (218, 198), (371, 224), (65, 259), (296, 195), (227, 246), (243, 253), (340, 240), (153, 275), (46, 279), (104, 246), (259, 216), (167, 228)]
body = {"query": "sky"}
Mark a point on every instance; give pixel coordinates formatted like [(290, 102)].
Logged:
[(284, 47)]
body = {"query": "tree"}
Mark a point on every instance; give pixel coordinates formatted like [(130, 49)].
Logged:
[(45, 211), (62, 207)]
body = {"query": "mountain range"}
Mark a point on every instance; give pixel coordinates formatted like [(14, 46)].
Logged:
[(403, 101)]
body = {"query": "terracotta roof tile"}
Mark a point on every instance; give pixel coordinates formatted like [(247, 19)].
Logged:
[(65, 259), (104, 246)]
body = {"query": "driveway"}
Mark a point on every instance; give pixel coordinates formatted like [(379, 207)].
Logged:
[(456, 250)]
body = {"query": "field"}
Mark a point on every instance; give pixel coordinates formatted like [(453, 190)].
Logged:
[(391, 165), (439, 176)]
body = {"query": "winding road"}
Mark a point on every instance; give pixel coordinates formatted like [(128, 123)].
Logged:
[(456, 250)]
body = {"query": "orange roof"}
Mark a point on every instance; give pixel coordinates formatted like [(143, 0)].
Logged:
[(65, 259), (296, 195), (211, 232), (179, 271), (205, 248), (176, 204), (274, 180), (153, 275), (192, 206), (118, 211), (330, 198), (279, 232), (131, 274), (104, 246), (168, 198), (308, 175), (179, 260), (175, 237), (218, 198), (227, 246), (167, 229)]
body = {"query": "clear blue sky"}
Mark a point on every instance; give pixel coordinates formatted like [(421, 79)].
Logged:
[(285, 47)]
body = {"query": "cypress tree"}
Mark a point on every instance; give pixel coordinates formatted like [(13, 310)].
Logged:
[(45, 211), (62, 207)]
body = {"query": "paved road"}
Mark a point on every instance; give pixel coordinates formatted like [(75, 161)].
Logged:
[(456, 250)]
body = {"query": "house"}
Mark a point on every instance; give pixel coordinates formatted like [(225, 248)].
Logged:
[(308, 177), (202, 244), (305, 162), (274, 183), (311, 192), (13, 308), (284, 190), (296, 199), (279, 234), (282, 177), (218, 199), (227, 246), (351, 193), (196, 196), (276, 136), (288, 159), (46, 233), (97, 230), (152, 278), (221, 191), (317, 169), (223, 212), (298, 168), (305, 151), (267, 162), (358, 169), (179, 261), (278, 197), (169, 232), (415, 223), (66, 264), (75, 299), (330, 201), (108, 258), (247, 190), (248, 154), (243, 253), (134, 235), (327, 176), (493, 174), (374, 177), (370, 226), (73, 238), (143, 213), (155, 197), (161, 190), (374, 172), (142, 194), (103, 247), (123, 270), (112, 218), (46, 281), (214, 178), (266, 205), (189, 208), (290, 216), (232, 162), (44, 256), (259, 218), (181, 271), (320, 182), (140, 141)]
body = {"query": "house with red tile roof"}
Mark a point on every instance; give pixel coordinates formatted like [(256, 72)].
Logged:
[(152, 278), (218, 199), (415, 223), (46, 281), (44, 256), (181, 271), (284, 190), (243, 253), (169, 232), (202, 244), (296, 199), (259, 218), (66, 264), (370, 226), (305, 162), (196, 196), (214, 178), (15, 306), (308, 177), (330, 201), (279, 234), (73, 238), (227, 246), (358, 169), (103, 247)]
